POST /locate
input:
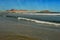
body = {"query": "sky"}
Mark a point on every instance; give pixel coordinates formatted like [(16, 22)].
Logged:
[(52, 5)]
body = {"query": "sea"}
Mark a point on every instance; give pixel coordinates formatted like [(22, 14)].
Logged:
[(43, 27)]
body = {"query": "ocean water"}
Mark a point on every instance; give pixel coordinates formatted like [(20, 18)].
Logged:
[(51, 18), (29, 25)]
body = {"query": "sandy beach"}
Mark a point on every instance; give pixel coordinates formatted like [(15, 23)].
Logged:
[(8, 31), (11, 30)]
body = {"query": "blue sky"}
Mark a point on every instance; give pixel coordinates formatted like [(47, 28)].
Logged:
[(53, 5)]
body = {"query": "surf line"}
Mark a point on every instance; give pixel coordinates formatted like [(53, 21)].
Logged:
[(54, 14), (37, 21)]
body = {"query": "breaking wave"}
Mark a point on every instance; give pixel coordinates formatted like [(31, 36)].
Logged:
[(38, 21)]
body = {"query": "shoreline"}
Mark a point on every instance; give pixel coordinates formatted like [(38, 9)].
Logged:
[(39, 31)]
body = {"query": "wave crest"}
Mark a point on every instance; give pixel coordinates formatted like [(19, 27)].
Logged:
[(37, 21)]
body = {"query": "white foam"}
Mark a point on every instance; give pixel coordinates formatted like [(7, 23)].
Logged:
[(41, 13), (37, 21)]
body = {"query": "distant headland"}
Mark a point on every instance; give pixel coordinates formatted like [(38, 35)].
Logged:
[(33, 11)]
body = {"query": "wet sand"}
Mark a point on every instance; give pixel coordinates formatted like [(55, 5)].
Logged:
[(12, 36), (10, 30)]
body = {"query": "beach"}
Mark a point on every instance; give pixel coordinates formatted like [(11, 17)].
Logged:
[(29, 20), (10, 29)]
